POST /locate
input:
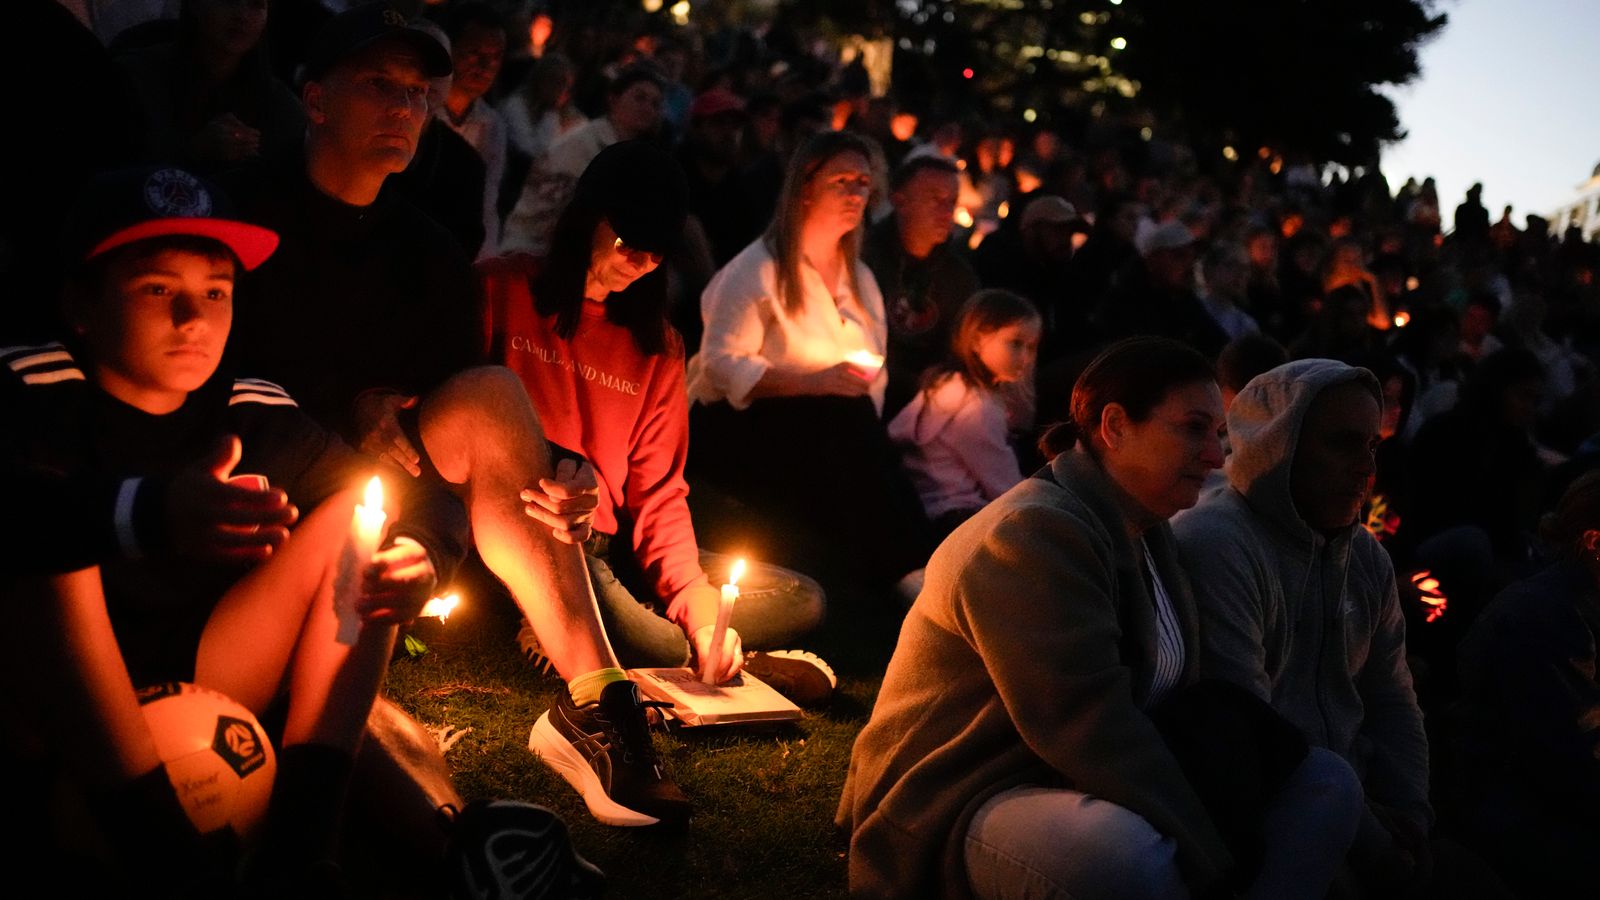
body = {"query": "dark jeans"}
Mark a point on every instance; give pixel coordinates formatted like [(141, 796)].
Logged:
[(822, 466), (776, 608)]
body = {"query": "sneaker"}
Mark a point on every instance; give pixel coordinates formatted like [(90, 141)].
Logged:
[(603, 750), (506, 850), (801, 676)]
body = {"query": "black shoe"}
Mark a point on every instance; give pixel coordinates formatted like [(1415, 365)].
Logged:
[(603, 750), (506, 850), (801, 676)]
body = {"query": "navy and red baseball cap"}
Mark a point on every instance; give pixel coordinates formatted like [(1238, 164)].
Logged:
[(128, 205)]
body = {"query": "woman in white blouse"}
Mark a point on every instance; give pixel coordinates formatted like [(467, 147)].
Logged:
[(788, 384)]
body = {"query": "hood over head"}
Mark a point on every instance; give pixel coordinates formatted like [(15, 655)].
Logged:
[(1264, 426)]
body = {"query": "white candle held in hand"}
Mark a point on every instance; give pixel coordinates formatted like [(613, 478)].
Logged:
[(719, 631), (865, 360), (441, 607), (366, 535)]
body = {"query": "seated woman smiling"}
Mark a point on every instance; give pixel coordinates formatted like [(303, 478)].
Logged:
[(1015, 749)]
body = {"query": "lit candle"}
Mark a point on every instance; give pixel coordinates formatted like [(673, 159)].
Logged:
[(366, 534), (719, 631), (441, 607), (865, 360)]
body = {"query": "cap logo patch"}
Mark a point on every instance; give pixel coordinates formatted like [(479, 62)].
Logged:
[(174, 193), (393, 17)]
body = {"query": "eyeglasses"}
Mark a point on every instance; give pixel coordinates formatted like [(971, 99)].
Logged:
[(635, 255)]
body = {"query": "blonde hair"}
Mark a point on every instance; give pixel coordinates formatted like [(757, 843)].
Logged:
[(783, 235)]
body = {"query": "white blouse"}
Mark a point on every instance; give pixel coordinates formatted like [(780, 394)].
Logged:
[(747, 330)]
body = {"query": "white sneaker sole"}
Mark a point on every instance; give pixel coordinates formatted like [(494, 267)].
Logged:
[(557, 753)]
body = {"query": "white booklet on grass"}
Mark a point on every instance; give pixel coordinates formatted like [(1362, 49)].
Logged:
[(744, 699)]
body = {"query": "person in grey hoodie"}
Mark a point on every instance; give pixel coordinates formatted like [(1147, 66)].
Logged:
[(1298, 602)]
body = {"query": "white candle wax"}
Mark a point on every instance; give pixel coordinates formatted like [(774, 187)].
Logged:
[(719, 631), (366, 534), (868, 362)]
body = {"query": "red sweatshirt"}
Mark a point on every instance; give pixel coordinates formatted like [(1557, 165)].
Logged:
[(628, 413)]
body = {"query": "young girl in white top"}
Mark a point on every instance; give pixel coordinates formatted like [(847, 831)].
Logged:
[(953, 436)]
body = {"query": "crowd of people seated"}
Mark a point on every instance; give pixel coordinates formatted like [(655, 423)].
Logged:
[(1243, 518)]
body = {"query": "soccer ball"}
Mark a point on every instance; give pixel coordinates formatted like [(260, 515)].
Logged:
[(217, 755)]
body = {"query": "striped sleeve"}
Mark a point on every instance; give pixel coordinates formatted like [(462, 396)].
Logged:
[(41, 364), (256, 390)]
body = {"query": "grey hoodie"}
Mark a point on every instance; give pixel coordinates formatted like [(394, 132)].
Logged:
[(1309, 621)]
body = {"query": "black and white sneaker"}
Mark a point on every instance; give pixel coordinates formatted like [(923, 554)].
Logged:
[(800, 675), (603, 749), (507, 850)]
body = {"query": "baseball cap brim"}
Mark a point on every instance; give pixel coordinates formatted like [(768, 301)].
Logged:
[(252, 244)]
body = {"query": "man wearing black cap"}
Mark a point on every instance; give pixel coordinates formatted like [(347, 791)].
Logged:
[(371, 312)]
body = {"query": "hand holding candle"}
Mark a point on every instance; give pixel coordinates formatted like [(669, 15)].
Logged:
[(366, 534), (867, 362), (719, 631)]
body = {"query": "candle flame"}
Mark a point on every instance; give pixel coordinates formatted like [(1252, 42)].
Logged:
[(736, 572), (1402, 319), (373, 499), (963, 217), (1431, 596), (441, 607), (865, 359)]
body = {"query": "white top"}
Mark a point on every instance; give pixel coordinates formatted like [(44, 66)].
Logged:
[(1169, 636), (551, 182), (1234, 322), (485, 130), (748, 332), (532, 137), (953, 445)]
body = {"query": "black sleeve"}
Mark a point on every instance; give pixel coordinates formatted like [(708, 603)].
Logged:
[(311, 464), (61, 519), (65, 523)]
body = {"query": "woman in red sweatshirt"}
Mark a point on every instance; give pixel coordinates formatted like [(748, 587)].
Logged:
[(586, 330)]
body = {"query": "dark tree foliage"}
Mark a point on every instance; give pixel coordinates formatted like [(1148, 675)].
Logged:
[(1295, 75)]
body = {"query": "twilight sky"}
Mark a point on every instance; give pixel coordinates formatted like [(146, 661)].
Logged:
[(1509, 95)]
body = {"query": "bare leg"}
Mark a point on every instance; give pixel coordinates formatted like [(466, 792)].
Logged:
[(278, 623), (481, 433), (86, 703)]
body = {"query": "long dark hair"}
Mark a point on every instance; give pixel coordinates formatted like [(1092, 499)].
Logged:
[(641, 308), (1136, 373)]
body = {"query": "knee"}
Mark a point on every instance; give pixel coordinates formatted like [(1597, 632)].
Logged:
[(1129, 856), (1324, 781), (487, 393), (810, 604)]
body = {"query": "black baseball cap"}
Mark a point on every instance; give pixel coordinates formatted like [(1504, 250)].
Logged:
[(642, 192), (128, 205), (360, 27)]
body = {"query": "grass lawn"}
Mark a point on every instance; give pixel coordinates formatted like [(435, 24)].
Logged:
[(764, 801)]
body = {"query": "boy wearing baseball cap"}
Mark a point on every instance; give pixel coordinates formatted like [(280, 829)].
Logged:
[(166, 540)]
